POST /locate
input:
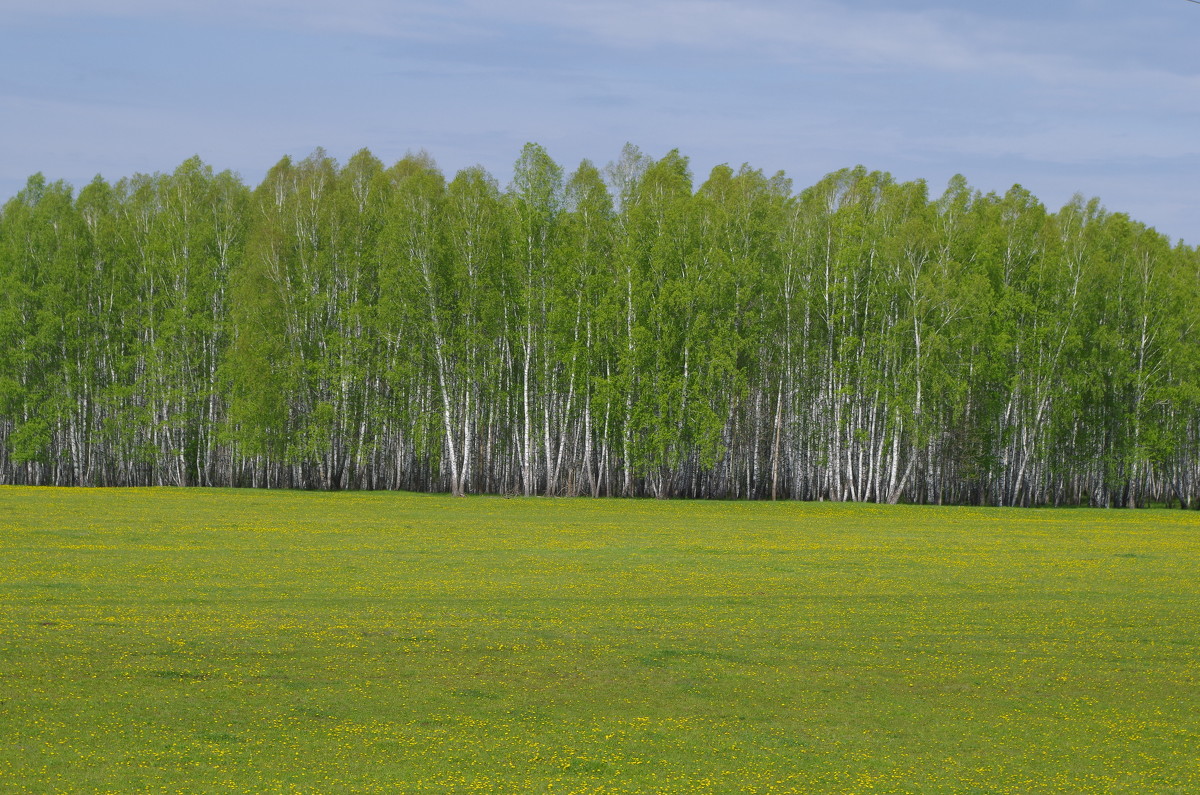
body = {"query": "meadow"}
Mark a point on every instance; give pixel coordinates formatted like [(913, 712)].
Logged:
[(266, 641)]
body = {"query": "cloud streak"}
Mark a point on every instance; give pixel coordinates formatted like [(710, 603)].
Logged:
[(818, 33)]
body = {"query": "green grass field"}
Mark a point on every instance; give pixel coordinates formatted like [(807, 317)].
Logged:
[(251, 641)]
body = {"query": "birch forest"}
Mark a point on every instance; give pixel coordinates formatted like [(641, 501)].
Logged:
[(612, 331)]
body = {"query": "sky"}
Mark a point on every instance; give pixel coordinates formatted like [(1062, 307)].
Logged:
[(1097, 97)]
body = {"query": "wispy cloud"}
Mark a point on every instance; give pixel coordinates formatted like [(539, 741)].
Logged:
[(850, 37), (800, 30), (836, 35)]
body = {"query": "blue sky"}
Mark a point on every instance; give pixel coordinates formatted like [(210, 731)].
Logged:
[(1062, 96)]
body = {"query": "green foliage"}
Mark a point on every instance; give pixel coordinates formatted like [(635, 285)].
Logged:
[(604, 331)]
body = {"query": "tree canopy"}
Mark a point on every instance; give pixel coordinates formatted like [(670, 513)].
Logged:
[(615, 331)]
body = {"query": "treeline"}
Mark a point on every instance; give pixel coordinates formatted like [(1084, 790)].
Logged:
[(606, 333)]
